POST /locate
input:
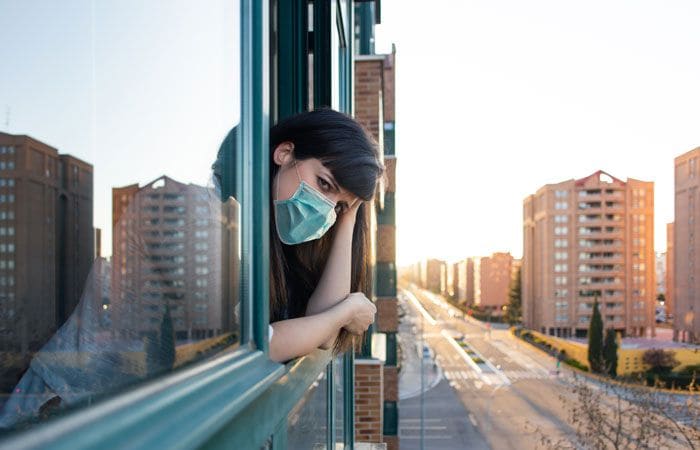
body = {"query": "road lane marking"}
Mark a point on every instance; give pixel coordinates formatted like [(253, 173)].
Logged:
[(493, 368), (422, 310), (472, 419), (461, 352)]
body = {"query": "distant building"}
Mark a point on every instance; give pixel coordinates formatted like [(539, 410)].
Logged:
[(169, 248), (494, 276), (431, 273), (670, 268), (46, 246), (46, 239), (660, 268), (587, 239), (464, 290), (686, 260)]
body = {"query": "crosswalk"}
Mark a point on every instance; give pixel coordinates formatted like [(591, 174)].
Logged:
[(512, 375)]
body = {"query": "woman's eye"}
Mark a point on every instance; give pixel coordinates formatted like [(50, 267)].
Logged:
[(323, 184)]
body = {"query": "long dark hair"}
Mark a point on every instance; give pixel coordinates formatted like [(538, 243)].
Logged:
[(350, 153)]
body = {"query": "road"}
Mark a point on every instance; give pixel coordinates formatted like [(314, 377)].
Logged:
[(511, 400)]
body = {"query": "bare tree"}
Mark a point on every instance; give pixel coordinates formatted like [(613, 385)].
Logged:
[(625, 416)]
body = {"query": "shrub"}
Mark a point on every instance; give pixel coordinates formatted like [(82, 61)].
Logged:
[(574, 363), (659, 360)]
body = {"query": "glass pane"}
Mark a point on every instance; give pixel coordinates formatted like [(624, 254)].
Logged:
[(339, 399), (307, 420), (118, 258)]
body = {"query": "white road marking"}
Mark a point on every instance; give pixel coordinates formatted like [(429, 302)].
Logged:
[(472, 419), (420, 308)]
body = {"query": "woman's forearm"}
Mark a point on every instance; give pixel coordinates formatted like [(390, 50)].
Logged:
[(334, 284), (335, 281), (296, 337)]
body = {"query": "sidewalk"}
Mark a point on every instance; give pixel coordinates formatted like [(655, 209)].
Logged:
[(409, 378)]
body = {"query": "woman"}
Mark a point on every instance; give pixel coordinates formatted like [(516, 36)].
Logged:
[(323, 170)]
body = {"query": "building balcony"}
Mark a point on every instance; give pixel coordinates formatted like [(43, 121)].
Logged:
[(600, 286), (584, 197), (584, 222), (601, 274), (599, 248), (602, 260)]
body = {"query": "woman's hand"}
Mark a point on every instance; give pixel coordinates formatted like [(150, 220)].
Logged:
[(350, 214), (360, 312)]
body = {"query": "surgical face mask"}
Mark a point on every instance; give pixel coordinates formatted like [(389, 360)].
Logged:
[(306, 216)]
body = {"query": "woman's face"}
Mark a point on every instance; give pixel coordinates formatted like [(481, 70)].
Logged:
[(313, 172)]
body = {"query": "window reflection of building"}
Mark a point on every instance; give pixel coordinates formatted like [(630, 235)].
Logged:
[(167, 250), (46, 243)]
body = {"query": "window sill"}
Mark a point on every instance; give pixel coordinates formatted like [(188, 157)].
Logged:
[(180, 410)]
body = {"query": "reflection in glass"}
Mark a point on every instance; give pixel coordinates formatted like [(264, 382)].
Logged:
[(119, 259), (339, 400), (307, 426)]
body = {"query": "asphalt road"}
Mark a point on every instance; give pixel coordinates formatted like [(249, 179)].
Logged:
[(509, 402)]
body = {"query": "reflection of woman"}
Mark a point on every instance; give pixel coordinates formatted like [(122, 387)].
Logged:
[(323, 170)]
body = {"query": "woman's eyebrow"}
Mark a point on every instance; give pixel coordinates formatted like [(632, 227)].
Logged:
[(332, 178)]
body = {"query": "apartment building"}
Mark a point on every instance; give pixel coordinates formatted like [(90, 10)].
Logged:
[(431, 274), (493, 274), (169, 248), (464, 283), (670, 267), (46, 246), (685, 298), (589, 239), (46, 239)]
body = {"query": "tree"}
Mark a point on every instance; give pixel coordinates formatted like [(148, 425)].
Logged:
[(167, 340), (610, 352), (595, 341), (514, 309), (659, 360), (160, 347), (625, 416)]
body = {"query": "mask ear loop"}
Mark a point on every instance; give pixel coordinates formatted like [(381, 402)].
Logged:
[(277, 188)]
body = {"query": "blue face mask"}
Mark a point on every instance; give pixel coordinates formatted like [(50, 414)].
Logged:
[(306, 216)]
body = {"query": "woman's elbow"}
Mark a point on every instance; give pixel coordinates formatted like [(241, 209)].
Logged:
[(329, 343)]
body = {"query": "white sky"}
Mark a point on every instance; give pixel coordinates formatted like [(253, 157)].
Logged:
[(497, 98)]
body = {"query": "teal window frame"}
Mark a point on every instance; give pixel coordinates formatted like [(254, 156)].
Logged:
[(241, 399)]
